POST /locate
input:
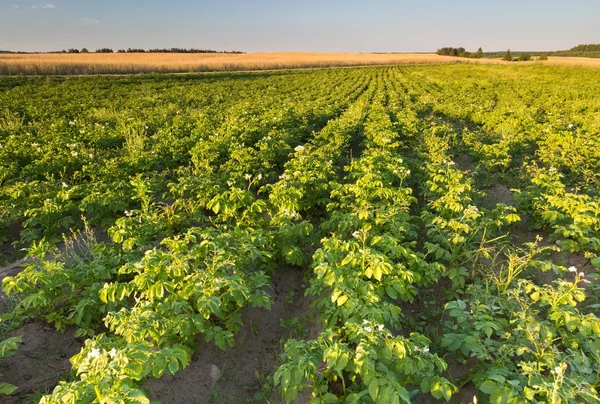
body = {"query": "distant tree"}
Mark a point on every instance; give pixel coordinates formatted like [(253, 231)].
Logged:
[(507, 56), (449, 51), (73, 50), (84, 50), (104, 50), (479, 53), (524, 57), (543, 56)]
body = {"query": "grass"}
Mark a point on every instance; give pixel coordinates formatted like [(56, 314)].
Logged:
[(132, 63)]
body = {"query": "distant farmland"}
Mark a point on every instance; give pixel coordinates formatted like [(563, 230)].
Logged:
[(123, 63)]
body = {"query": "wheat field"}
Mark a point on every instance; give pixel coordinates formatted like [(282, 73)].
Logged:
[(130, 63)]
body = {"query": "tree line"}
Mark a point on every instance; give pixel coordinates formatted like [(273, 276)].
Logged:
[(130, 50), (460, 52)]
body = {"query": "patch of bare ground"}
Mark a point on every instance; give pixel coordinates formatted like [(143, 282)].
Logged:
[(498, 193), (465, 162), (41, 361), (7, 251), (237, 374)]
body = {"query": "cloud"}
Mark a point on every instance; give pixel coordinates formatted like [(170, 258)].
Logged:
[(88, 21), (34, 6)]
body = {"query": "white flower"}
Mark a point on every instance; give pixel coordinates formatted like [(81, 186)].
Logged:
[(94, 353), (248, 176), (356, 234), (365, 322), (380, 327), (407, 172), (259, 177), (71, 123), (113, 353), (571, 126), (91, 155), (552, 169), (581, 274), (368, 329), (299, 148), (74, 153), (572, 269)]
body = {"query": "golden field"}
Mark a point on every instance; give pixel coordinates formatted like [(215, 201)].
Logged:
[(128, 63), (131, 63)]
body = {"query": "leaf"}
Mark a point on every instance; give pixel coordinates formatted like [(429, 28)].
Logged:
[(377, 272), (7, 388), (488, 386), (330, 398), (173, 366), (342, 299), (501, 396), (374, 389), (447, 390)]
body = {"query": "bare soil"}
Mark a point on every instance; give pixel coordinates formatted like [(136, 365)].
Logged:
[(465, 162), (41, 361), (498, 193)]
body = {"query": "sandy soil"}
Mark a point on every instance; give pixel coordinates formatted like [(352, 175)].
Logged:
[(41, 361)]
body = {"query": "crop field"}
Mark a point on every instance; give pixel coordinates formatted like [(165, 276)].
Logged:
[(383, 234), (128, 63)]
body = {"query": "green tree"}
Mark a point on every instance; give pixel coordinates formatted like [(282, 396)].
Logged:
[(479, 53), (524, 57), (507, 56), (543, 56)]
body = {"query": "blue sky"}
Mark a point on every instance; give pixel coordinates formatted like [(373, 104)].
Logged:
[(309, 25)]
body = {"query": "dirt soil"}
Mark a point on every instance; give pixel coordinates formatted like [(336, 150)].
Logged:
[(43, 356), (498, 193), (41, 361), (237, 374), (465, 162)]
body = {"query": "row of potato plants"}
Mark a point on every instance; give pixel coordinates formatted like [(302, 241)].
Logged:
[(365, 264)]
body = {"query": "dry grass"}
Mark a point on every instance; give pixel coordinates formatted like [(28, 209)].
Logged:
[(124, 63), (572, 61)]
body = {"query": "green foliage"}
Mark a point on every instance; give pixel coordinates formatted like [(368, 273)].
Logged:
[(182, 195), (532, 343)]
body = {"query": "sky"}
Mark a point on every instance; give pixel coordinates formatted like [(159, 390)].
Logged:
[(295, 26)]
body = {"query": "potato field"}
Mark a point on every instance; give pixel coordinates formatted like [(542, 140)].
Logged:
[(389, 234)]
